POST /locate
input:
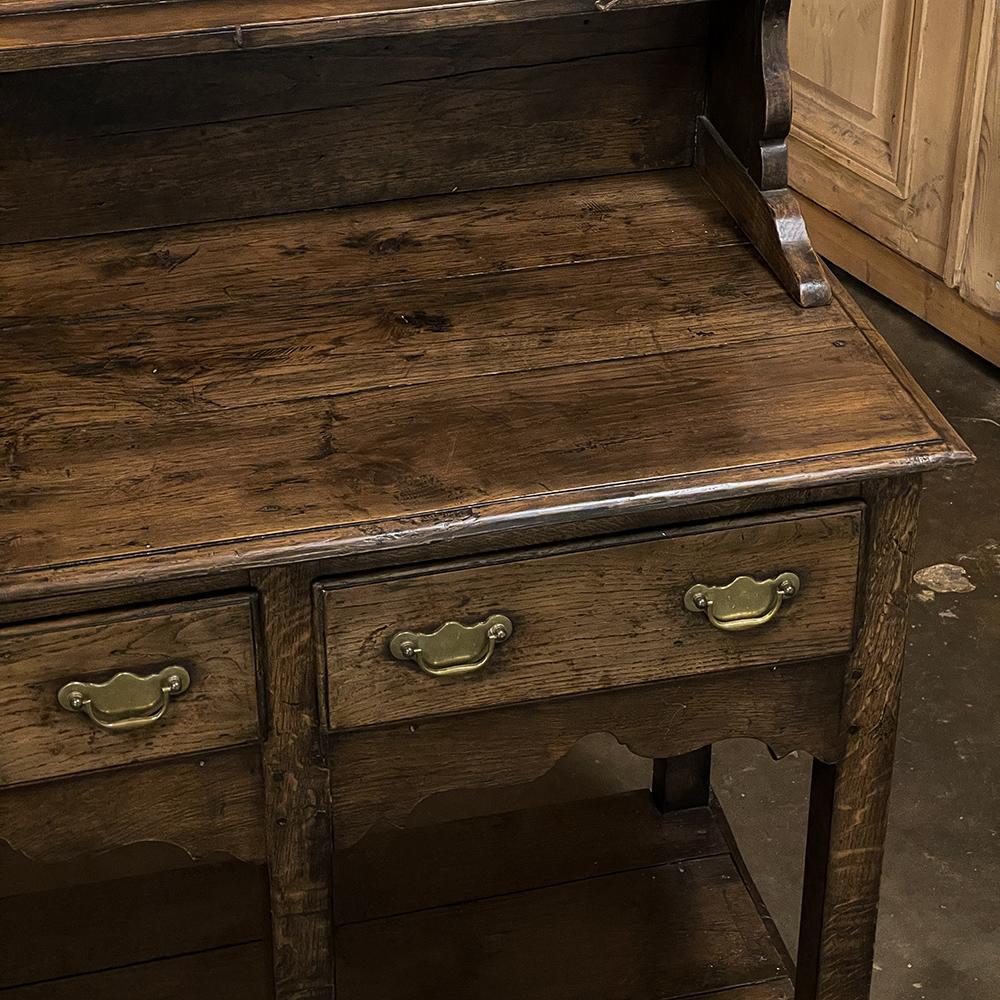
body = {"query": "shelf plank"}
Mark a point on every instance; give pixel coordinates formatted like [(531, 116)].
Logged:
[(398, 871), (677, 930), (43, 34)]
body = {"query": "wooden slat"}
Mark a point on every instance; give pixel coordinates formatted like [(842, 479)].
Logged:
[(285, 347), (206, 806), (49, 34), (436, 865), (241, 972), (379, 775), (668, 932), (602, 113), (252, 267), (90, 927)]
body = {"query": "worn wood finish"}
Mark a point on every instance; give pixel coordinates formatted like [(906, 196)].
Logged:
[(205, 806), (558, 943), (61, 34), (390, 873), (311, 487), (240, 972), (629, 107), (381, 774), (589, 618), (772, 219), (91, 927), (297, 797), (750, 86), (849, 802), (213, 638), (222, 271)]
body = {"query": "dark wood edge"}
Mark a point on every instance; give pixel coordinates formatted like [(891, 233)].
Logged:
[(749, 94), (771, 219), (293, 31), (585, 545), (722, 822), (140, 612), (425, 530), (963, 454)]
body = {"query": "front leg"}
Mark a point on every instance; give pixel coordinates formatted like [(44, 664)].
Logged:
[(849, 800)]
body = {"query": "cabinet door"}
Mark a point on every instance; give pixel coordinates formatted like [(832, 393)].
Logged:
[(886, 128)]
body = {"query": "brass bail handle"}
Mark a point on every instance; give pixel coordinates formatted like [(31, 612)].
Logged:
[(454, 649), (127, 700), (743, 604)]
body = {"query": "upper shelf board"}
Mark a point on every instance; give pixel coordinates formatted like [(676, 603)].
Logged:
[(36, 34)]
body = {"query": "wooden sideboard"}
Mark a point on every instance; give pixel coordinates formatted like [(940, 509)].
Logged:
[(391, 398)]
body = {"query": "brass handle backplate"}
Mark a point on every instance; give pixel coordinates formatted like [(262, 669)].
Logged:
[(453, 649), (745, 603), (127, 701)]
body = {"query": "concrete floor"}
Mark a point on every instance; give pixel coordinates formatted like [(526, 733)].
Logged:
[(939, 932)]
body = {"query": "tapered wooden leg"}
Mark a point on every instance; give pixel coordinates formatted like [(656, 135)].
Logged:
[(849, 800), (682, 782)]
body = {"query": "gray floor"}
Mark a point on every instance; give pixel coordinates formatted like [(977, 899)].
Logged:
[(939, 933)]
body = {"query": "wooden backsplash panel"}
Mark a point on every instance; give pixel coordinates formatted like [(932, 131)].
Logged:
[(137, 145)]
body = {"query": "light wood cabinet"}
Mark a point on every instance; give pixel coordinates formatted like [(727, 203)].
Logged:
[(894, 146)]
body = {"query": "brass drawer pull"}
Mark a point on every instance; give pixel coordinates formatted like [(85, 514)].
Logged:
[(127, 701), (453, 649), (744, 603)]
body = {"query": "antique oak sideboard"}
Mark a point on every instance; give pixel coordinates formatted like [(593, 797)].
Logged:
[(391, 397)]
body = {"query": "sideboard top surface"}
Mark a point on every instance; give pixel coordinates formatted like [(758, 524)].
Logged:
[(234, 394)]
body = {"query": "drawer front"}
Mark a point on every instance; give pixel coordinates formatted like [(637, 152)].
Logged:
[(209, 643), (585, 617)]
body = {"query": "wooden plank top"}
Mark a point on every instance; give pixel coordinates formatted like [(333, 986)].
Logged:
[(44, 33), (243, 394)]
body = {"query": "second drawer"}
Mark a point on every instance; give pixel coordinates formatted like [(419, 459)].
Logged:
[(587, 616)]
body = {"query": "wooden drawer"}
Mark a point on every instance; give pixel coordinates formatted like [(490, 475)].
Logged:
[(587, 616), (212, 639)]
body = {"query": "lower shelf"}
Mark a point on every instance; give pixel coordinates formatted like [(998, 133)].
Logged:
[(676, 920)]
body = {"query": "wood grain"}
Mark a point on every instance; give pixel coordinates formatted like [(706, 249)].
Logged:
[(206, 806), (597, 938), (157, 278), (418, 868), (212, 638), (165, 451), (772, 219), (601, 113), (374, 456), (750, 86), (240, 972), (849, 801), (591, 618), (105, 925), (381, 774), (46, 34), (297, 798)]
